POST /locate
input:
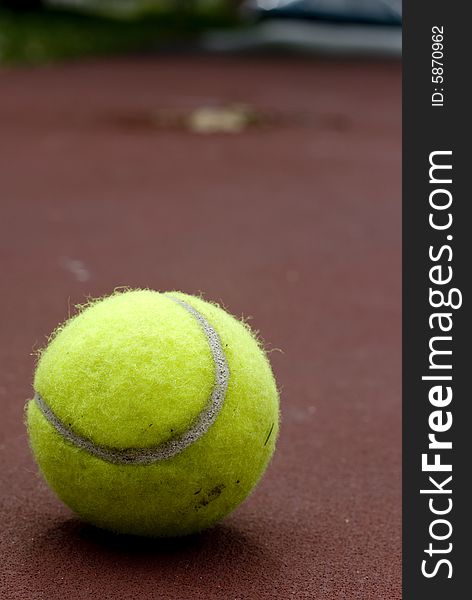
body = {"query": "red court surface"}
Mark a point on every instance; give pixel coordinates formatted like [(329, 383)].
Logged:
[(296, 224)]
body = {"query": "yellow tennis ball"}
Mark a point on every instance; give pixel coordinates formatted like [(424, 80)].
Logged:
[(154, 413)]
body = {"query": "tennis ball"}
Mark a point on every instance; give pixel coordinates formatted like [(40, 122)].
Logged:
[(154, 413)]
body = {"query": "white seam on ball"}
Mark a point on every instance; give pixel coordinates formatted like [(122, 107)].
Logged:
[(172, 447)]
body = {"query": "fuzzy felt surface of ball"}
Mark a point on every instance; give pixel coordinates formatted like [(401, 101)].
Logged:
[(154, 414)]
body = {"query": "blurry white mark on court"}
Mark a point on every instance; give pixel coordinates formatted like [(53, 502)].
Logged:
[(220, 119), (77, 268)]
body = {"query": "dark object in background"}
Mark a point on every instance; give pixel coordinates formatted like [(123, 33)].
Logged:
[(22, 5), (379, 12), (329, 27)]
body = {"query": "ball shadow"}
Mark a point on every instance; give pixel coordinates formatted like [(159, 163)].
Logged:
[(224, 551), (89, 538)]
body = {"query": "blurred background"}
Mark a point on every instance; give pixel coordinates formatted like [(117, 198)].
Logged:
[(38, 31), (249, 151)]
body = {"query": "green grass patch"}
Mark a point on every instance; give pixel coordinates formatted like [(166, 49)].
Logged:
[(49, 36)]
